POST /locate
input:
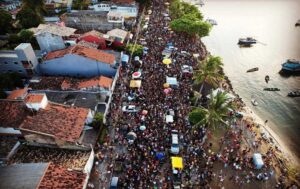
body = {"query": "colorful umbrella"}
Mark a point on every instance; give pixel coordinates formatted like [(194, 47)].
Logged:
[(144, 112), (136, 75), (142, 127), (167, 61), (166, 85)]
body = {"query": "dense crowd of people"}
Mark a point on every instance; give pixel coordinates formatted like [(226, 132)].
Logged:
[(142, 167)]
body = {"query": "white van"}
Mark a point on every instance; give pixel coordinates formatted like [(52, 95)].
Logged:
[(175, 143)]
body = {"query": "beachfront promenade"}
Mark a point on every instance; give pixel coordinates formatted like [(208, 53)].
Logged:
[(141, 136)]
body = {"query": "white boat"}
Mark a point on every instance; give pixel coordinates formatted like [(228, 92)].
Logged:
[(254, 102)]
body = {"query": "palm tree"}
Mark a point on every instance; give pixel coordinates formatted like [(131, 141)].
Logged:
[(209, 72), (217, 112)]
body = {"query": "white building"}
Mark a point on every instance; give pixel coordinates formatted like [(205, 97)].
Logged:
[(50, 37), (21, 60), (126, 11)]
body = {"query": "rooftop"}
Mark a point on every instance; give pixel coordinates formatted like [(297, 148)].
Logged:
[(118, 33), (91, 53), (47, 83), (62, 122), (22, 176), (12, 113), (34, 98), (17, 94), (53, 29), (78, 99), (95, 82), (123, 1), (72, 159), (59, 177)]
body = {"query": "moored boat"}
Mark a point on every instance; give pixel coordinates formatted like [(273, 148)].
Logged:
[(291, 66), (212, 21), (271, 89), (297, 23), (253, 69), (247, 41), (267, 78), (294, 94), (254, 102)]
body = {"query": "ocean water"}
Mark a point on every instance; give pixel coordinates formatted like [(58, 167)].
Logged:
[(272, 23)]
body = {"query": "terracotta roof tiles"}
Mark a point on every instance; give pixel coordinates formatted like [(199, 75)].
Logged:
[(90, 53), (62, 122), (59, 177), (17, 94), (12, 113), (34, 98)]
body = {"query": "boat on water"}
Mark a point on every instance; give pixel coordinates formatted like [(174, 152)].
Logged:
[(247, 41), (291, 66), (267, 78), (253, 69), (271, 89), (297, 23), (294, 94), (212, 21), (254, 102)]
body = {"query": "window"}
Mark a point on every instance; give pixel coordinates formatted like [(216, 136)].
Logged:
[(20, 71), (16, 63), (10, 71), (5, 63)]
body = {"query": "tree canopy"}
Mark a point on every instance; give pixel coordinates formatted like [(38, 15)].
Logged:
[(5, 21), (136, 50), (217, 112), (209, 71), (81, 4), (197, 115), (31, 13), (188, 19), (26, 36), (179, 9)]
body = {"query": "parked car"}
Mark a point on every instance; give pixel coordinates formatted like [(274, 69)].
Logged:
[(175, 142), (114, 183), (130, 108)]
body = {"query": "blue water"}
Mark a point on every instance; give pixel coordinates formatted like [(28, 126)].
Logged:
[(273, 24)]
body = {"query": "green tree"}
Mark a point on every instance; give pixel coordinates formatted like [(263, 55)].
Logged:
[(5, 21), (29, 18), (217, 112), (192, 25), (135, 50), (209, 72), (179, 9), (98, 120), (9, 81), (26, 36), (81, 4), (37, 5), (197, 115)]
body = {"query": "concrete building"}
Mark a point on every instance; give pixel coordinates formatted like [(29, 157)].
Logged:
[(87, 20), (79, 61), (60, 3), (126, 10), (50, 37), (22, 60)]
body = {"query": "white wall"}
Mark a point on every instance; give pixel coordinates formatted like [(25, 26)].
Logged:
[(37, 106)]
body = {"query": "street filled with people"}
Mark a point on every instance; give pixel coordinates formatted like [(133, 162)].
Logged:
[(151, 102)]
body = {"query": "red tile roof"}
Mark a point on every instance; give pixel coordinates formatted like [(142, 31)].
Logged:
[(12, 113), (95, 82), (34, 98), (17, 94), (59, 177), (62, 122), (123, 1), (83, 51)]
